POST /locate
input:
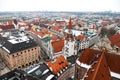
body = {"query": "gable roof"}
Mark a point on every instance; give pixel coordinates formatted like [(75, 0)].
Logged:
[(115, 40), (58, 45), (113, 61), (88, 56), (99, 70), (101, 62), (58, 65)]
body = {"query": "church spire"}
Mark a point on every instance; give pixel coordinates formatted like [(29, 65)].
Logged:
[(70, 24), (69, 35)]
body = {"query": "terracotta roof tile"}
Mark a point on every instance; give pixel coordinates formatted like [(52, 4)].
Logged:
[(115, 39), (101, 62), (44, 30), (81, 37), (99, 70), (57, 28), (10, 23), (118, 44), (113, 61), (38, 33), (6, 27), (58, 45), (58, 65), (54, 37), (88, 56)]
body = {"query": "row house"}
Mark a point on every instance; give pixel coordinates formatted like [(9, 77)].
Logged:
[(82, 42)]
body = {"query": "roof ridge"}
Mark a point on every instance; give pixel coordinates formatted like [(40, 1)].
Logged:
[(99, 61)]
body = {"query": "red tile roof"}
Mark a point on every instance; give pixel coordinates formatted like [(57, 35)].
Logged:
[(115, 40), (54, 37), (44, 30), (6, 27), (99, 70), (113, 61), (10, 23), (81, 37), (101, 62), (58, 65), (88, 56), (41, 34), (58, 45), (57, 28)]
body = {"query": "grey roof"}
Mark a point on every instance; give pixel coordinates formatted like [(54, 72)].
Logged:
[(39, 72), (17, 75)]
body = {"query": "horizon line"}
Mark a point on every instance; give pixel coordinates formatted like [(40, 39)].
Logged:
[(110, 11)]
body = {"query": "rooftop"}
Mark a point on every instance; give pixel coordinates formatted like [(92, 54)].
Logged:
[(17, 75), (59, 64), (41, 72), (58, 45), (100, 64), (16, 41)]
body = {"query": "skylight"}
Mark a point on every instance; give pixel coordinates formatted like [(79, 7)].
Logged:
[(38, 72)]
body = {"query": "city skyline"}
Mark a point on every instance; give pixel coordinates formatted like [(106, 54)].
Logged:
[(60, 5)]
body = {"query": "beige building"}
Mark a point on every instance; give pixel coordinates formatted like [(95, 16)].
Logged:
[(19, 50)]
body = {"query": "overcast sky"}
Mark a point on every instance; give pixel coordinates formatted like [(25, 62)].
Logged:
[(60, 5)]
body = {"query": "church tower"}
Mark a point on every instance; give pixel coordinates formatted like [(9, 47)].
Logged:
[(69, 48)]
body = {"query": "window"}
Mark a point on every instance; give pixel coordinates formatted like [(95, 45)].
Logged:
[(13, 55), (38, 72)]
